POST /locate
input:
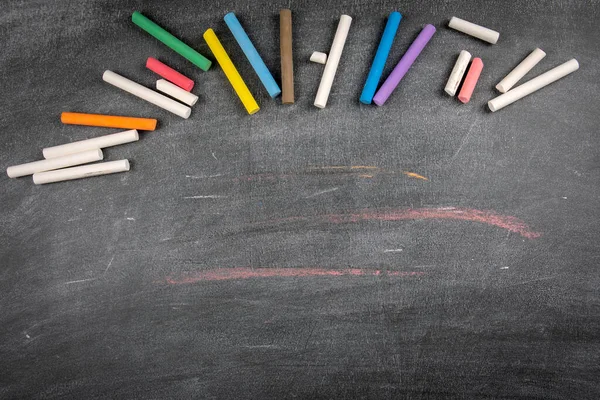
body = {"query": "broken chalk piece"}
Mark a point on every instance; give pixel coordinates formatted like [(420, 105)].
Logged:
[(318, 57), (520, 70), (460, 67), (471, 29)]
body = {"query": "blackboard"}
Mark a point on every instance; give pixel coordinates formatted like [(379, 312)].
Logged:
[(299, 252)]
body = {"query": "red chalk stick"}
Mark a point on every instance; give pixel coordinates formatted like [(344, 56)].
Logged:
[(169, 74), (471, 80)]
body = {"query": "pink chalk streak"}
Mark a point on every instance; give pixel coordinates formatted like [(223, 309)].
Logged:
[(223, 274), (512, 224)]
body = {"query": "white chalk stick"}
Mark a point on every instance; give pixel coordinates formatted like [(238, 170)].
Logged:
[(474, 30), (533, 85), (54, 163), (90, 144), (147, 94), (175, 91), (318, 57), (85, 171), (335, 53), (520, 70), (457, 72)]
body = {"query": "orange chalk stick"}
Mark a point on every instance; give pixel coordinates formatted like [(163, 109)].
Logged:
[(108, 121), (471, 80)]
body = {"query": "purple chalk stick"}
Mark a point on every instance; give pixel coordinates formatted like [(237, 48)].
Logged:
[(403, 65)]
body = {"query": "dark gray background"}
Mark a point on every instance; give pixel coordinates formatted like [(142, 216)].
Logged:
[(495, 315)]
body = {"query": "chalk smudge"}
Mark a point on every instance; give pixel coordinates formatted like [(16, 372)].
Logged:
[(322, 192), (414, 175), (203, 176), (510, 223), (80, 281), (262, 177), (225, 274), (210, 196), (109, 264), (360, 171)]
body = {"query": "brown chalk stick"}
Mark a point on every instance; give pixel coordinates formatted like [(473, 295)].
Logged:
[(287, 63)]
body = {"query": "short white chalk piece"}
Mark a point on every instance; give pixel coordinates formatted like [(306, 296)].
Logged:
[(90, 144), (480, 32), (176, 92), (147, 94), (318, 57), (457, 72), (86, 171), (54, 163), (533, 85), (520, 70)]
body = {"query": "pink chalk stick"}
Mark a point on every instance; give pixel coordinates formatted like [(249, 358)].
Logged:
[(169, 74), (471, 80)]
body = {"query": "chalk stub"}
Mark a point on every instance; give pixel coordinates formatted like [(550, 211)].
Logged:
[(169, 74), (470, 80), (162, 85), (460, 67), (86, 171), (520, 70), (318, 57), (533, 85), (471, 29)]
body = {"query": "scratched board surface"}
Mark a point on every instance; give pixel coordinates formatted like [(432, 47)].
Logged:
[(423, 249)]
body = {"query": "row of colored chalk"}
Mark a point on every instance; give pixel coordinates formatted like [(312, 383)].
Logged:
[(369, 93), (225, 62), (65, 162)]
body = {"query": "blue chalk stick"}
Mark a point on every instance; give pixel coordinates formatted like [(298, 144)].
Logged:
[(366, 97), (250, 51)]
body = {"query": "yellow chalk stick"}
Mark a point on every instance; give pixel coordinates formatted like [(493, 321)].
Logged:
[(231, 72)]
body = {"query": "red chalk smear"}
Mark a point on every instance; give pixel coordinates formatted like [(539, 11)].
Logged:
[(222, 274), (507, 222)]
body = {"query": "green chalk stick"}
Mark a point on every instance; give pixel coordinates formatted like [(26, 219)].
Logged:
[(171, 41)]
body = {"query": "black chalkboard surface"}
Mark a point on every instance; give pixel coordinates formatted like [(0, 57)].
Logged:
[(423, 249)]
